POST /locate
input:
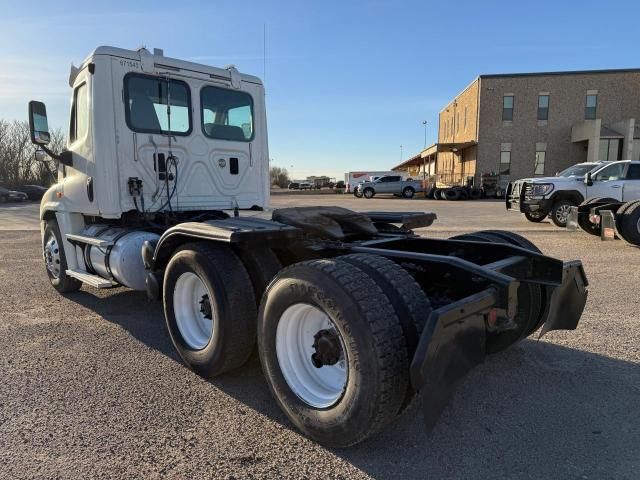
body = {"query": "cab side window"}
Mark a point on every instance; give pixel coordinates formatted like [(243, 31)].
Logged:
[(79, 114), (611, 173)]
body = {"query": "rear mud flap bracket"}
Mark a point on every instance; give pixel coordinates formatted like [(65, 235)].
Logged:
[(452, 343)]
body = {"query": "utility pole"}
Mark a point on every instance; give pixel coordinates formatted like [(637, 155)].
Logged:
[(424, 122)]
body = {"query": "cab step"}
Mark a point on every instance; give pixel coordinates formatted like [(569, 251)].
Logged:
[(90, 279), (96, 242)]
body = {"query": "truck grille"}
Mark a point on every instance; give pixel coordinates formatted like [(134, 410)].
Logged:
[(521, 189)]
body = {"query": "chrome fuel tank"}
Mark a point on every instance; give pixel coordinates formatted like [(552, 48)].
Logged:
[(121, 261)]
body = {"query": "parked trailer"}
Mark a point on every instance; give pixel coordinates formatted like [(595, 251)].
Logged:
[(607, 218), (354, 315)]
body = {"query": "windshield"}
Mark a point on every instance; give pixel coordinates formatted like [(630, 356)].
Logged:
[(577, 171)]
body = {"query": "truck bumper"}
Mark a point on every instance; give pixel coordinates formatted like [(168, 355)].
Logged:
[(454, 338), (516, 200)]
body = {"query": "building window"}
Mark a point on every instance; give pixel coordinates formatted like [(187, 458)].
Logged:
[(507, 108), (591, 106), (610, 149), (505, 163), (539, 165), (543, 107)]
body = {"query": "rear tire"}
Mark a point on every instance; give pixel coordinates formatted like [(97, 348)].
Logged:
[(452, 194), (530, 296), (584, 222), (209, 308), (409, 301), (262, 265), (360, 329), (408, 192), (463, 194), (630, 224), (560, 212), (56, 260), (620, 213)]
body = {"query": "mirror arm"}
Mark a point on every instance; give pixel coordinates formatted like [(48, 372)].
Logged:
[(64, 157)]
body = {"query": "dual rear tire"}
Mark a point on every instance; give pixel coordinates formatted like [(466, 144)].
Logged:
[(335, 336)]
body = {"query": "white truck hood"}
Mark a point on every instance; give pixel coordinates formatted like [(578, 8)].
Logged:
[(554, 180)]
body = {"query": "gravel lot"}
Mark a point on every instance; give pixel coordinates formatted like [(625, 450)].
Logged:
[(90, 386)]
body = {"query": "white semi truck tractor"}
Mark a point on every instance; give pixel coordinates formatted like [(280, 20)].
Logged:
[(164, 187)]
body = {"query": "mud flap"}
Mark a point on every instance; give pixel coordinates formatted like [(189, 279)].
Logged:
[(567, 300), (452, 343), (607, 225)]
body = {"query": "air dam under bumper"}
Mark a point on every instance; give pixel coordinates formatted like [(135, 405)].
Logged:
[(454, 338)]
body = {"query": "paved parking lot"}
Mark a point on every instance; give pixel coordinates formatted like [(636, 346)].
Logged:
[(91, 388)]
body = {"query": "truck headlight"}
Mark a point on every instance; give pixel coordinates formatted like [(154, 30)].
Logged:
[(541, 189)]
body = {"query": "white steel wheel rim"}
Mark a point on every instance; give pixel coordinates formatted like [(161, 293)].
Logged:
[(194, 321), (52, 256), (318, 387)]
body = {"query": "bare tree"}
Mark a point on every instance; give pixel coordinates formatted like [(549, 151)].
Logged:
[(17, 155), (279, 177)]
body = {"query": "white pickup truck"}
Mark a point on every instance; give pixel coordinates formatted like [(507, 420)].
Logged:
[(393, 184), (554, 196)]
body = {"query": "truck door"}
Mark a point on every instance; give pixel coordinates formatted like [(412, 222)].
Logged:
[(77, 180), (607, 182), (631, 187)]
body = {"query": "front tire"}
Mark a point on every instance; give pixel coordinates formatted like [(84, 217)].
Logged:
[(560, 212), (368, 193), (536, 217), (408, 192), (55, 260), (333, 351), (209, 308)]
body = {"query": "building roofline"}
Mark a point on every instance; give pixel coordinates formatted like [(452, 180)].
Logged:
[(569, 72), (460, 93)]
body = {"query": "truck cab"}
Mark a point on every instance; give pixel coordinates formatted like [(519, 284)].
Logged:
[(145, 128)]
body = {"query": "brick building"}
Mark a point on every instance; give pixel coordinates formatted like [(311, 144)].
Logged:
[(521, 125)]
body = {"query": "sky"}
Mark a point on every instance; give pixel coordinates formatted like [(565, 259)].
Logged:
[(348, 82)]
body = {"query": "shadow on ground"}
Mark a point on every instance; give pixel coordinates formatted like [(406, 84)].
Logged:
[(521, 414)]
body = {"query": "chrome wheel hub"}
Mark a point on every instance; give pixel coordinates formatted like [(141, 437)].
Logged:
[(311, 355), (52, 256)]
